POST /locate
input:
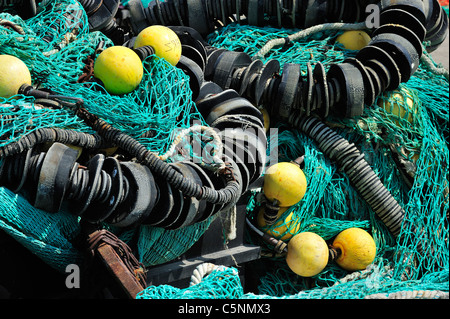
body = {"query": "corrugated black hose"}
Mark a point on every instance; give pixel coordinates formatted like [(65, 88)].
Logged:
[(112, 135), (48, 135), (362, 177)]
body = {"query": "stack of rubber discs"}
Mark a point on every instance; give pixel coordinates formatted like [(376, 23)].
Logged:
[(103, 16), (237, 71), (391, 57), (175, 210), (241, 127), (338, 92), (124, 194), (429, 13), (205, 15)]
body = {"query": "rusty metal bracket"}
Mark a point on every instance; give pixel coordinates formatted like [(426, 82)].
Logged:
[(119, 260), (115, 265)]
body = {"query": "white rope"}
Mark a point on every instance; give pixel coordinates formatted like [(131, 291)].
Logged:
[(68, 38), (307, 32), (357, 275), (205, 269), (229, 223), (217, 155), (16, 27), (412, 294)]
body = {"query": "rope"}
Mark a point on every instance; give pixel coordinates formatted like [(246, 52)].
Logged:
[(203, 270), (357, 275), (68, 38), (229, 223), (217, 154), (412, 294), (9, 24), (430, 65), (305, 33)]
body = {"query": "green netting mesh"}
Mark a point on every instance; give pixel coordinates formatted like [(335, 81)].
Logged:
[(54, 45), (319, 47), (220, 284), (406, 128)]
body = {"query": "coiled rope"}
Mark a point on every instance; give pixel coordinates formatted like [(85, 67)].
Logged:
[(205, 269)]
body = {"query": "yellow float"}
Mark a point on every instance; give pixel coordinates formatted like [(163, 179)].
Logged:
[(13, 74), (399, 103), (163, 40), (119, 68), (354, 39), (357, 249), (283, 229), (285, 183), (307, 254)]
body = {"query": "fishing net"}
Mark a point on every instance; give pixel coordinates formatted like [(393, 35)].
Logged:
[(55, 45), (403, 136), (221, 283)]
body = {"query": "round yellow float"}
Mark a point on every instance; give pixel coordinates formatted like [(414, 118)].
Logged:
[(307, 254), (163, 40), (399, 103), (284, 182), (283, 229), (354, 39), (119, 68), (357, 249), (13, 74)]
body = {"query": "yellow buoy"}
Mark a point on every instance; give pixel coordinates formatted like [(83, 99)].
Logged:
[(13, 74), (164, 41), (357, 249), (399, 103), (119, 68), (284, 182), (283, 229), (307, 254), (354, 39)]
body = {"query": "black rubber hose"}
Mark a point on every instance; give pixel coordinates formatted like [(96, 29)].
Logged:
[(48, 134), (222, 196), (360, 174)]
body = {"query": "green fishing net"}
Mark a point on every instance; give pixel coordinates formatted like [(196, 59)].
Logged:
[(54, 45), (220, 284), (403, 136)]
